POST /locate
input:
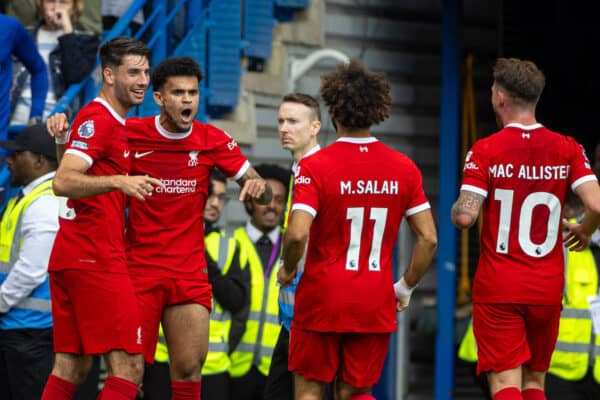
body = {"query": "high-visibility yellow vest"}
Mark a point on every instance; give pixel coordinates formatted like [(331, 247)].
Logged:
[(262, 328), (468, 348), (576, 342), (221, 248), (35, 310)]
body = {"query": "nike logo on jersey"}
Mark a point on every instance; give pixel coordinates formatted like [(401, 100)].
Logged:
[(140, 155), (126, 154)]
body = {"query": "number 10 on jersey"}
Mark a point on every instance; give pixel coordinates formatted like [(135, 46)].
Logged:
[(356, 215)]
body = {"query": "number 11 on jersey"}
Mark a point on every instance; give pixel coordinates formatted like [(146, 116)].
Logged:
[(356, 216)]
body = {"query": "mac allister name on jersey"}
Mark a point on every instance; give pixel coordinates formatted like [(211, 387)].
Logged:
[(369, 187), (530, 172)]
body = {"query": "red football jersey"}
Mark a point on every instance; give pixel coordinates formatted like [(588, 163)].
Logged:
[(165, 233), (91, 228), (357, 190), (524, 172)]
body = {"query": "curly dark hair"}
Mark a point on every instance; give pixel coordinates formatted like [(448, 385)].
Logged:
[(174, 66), (356, 97), (522, 79)]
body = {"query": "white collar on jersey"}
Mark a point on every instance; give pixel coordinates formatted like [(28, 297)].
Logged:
[(308, 153), (357, 140), (524, 127), (111, 110), (171, 135)]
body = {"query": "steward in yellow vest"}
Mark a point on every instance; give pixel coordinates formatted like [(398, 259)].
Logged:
[(260, 244), (27, 231), (576, 356)]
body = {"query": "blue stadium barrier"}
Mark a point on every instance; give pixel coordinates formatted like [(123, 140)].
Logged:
[(259, 19), (224, 51)]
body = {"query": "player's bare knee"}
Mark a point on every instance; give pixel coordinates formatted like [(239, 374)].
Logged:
[(72, 368), (186, 370), (126, 366)]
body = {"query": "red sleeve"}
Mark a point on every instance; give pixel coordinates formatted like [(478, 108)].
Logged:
[(475, 176), (579, 164), (306, 189), (227, 155), (418, 200), (87, 138)]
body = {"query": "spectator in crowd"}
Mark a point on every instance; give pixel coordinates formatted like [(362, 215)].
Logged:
[(112, 10), (349, 201), (69, 55), (27, 230), (260, 242), (14, 40), (298, 123), (519, 169), (26, 12)]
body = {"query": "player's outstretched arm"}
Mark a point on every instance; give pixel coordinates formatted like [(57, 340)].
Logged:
[(72, 181), (423, 226), (58, 127), (466, 209), (294, 243), (254, 186), (579, 235)]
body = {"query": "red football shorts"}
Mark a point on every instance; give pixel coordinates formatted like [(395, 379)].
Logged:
[(510, 335), (94, 312), (155, 293), (356, 358)]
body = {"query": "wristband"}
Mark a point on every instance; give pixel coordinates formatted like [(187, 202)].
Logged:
[(403, 292), (64, 139)]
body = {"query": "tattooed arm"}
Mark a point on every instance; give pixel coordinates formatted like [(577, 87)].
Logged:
[(466, 209), (255, 187)]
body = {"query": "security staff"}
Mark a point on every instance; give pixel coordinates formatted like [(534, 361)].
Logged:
[(27, 231), (230, 280), (260, 242)]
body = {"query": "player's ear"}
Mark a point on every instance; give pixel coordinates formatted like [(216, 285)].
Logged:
[(108, 75), (158, 98), (316, 126)]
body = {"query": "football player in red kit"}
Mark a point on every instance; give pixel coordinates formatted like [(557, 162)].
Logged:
[(520, 176), (94, 307), (164, 235), (350, 198)]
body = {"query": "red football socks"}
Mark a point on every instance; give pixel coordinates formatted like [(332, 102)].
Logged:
[(362, 396), (533, 394), (509, 393), (181, 390), (118, 389), (58, 389)]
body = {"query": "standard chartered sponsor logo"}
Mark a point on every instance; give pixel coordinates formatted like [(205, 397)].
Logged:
[(177, 186)]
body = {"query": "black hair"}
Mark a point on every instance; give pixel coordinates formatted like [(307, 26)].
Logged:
[(112, 52), (174, 66), (356, 97), (217, 175)]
